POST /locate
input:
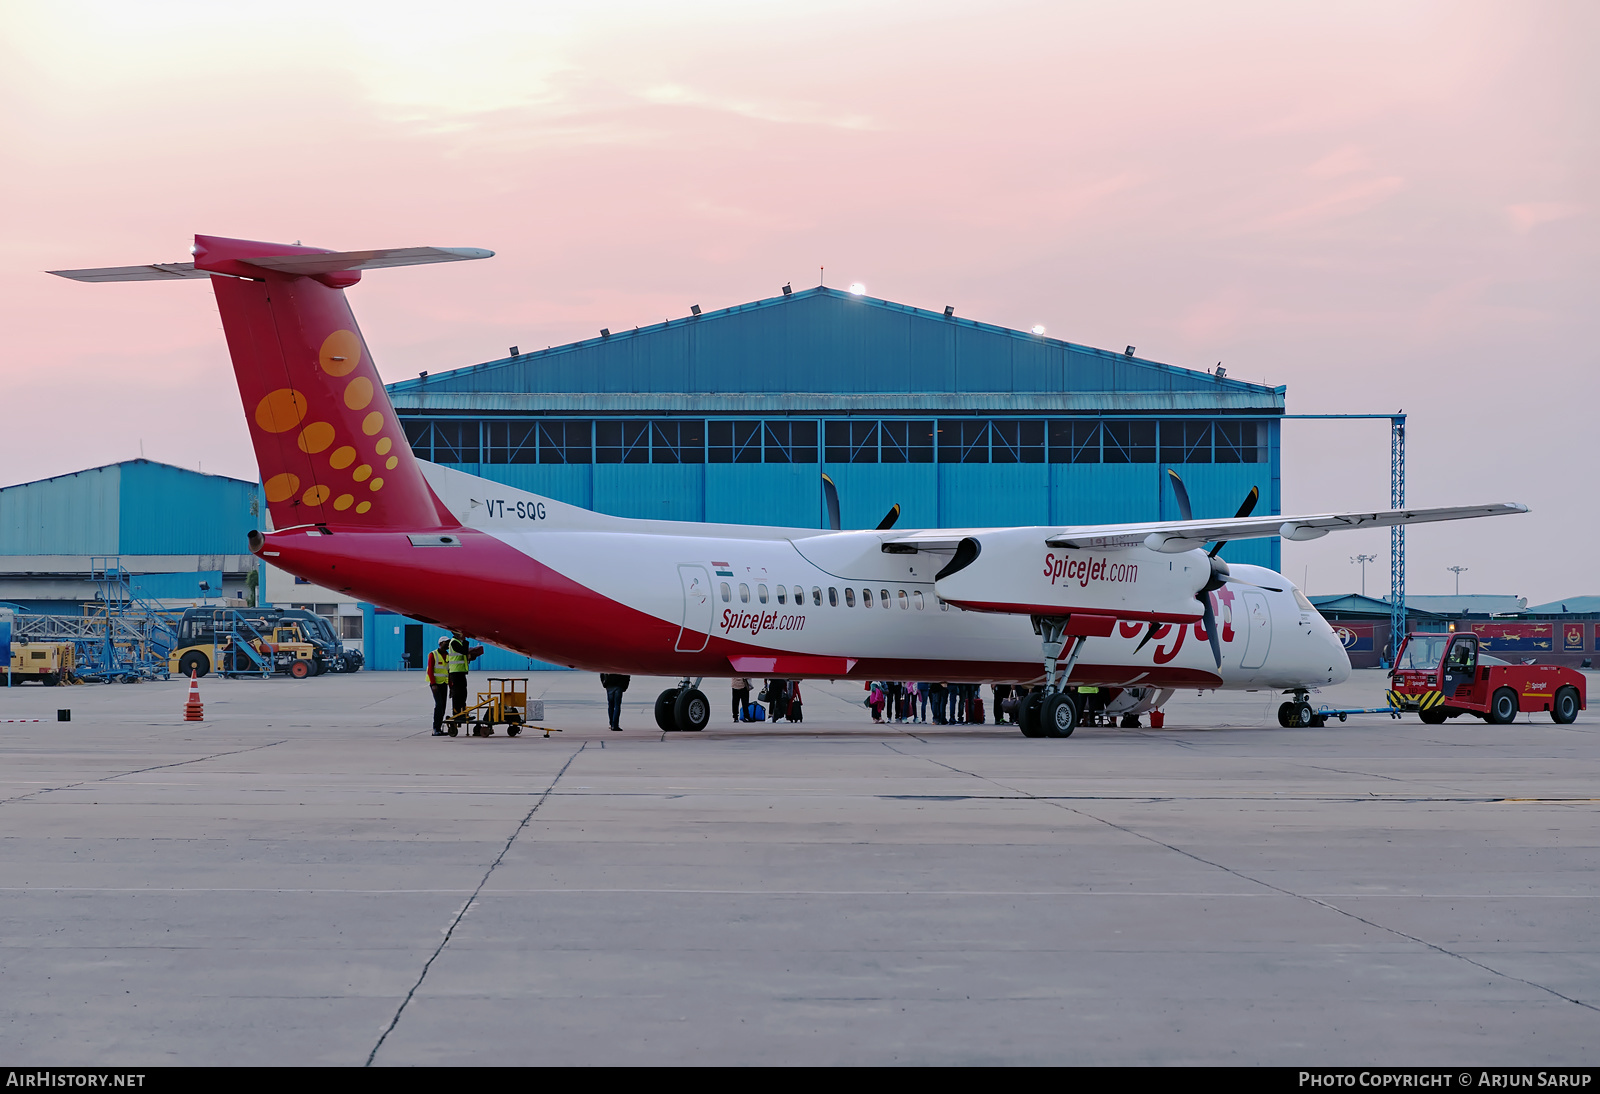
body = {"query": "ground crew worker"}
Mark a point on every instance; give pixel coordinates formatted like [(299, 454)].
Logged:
[(457, 653), (439, 682)]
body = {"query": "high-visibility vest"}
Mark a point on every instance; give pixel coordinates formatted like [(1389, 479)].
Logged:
[(458, 658), (437, 673)]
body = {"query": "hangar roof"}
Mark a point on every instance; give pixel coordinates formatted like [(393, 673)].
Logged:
[(826, 350)]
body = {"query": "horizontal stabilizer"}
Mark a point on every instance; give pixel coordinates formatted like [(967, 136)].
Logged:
[(299, 265), (157, 271), (335, 261)]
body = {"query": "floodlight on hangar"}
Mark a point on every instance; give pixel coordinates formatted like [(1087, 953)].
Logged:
[(949, 310), (1128, 352), (516, 351), (1038, 328), (787, 291), (605, 332), (857, 288), (694, 309)]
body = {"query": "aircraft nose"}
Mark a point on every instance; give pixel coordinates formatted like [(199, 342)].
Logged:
[(1339, 659)]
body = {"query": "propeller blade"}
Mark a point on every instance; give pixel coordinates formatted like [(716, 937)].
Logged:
[(1148, 634), (1253, 585), (1210, 622), (830, 501), (1245, 510), (1184, 509), (889, 518)]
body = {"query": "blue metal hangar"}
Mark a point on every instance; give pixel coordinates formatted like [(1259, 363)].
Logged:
[(732, 416), (171, 528)]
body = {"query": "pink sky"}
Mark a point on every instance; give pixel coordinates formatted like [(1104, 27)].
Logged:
[(1383, 206)]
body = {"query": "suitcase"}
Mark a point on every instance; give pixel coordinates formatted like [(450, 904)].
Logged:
[(795, 712), (975, 710), (758, 713)]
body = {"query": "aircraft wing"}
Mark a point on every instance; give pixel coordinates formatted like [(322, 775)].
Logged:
[(1172, 536)]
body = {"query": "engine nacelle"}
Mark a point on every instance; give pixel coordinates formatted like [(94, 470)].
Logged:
[(1014, 571)]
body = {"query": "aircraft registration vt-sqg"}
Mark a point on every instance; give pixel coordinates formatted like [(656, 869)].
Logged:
[(1135, 609)]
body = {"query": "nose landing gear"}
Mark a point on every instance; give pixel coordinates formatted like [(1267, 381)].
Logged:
[(1298, 713)]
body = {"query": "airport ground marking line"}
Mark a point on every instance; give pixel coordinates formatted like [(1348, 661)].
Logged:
[(138, 771), (460, 915), (586, 890), (1266, 884)]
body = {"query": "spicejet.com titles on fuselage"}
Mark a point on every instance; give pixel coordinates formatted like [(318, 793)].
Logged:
[(1085, 570)]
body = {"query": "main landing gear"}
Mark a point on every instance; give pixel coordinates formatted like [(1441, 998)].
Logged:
[(1298, 714), (1051, 711), (683, 708)]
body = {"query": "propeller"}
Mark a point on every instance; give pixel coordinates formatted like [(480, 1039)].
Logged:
[(1219, 569), (830, 501), (889, 518)]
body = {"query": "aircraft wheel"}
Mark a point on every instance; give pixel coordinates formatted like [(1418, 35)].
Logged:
[(1130, 721), (300, 669), (194, 663), (1565, 709), (1301, 716), (665, 704), (1434, 717), (692, 710), (1503, 708), (1058, 715), (1028, 714), (1286, 715)]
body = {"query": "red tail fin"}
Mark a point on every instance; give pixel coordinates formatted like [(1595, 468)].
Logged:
[(330, 448)]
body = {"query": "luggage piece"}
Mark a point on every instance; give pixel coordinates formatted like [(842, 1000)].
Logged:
[(975, 710), (758, 713), (795, 711)]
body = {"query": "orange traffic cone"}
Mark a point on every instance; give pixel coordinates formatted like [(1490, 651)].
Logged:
[(193, 711)]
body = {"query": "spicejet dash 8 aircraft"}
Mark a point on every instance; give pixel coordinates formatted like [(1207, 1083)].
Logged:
[(1138, 609)]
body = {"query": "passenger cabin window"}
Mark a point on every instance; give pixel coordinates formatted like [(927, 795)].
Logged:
[(761, 593), (944, 605), (744, 593), (905, 601), (800, 596), (727, 594), (917, 596), (849, 597), (883, 598), (866, 598), (782, 598), (816, 596)]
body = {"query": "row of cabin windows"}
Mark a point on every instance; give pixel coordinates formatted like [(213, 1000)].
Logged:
[(905, 600), (856, 440)]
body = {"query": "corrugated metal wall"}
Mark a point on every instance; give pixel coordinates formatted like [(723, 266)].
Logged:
[(137, 507), (170, 510), (73, 514)]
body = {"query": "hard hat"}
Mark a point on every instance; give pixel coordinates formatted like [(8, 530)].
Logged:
[(444, 640)]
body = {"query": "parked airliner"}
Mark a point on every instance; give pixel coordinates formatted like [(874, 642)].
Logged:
[(1137, 608)]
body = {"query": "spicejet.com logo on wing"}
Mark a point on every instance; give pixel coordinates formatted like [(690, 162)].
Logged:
[(1085, 570), (756, 622)]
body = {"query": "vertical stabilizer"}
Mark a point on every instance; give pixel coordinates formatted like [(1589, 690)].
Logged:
[(330, 448)]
